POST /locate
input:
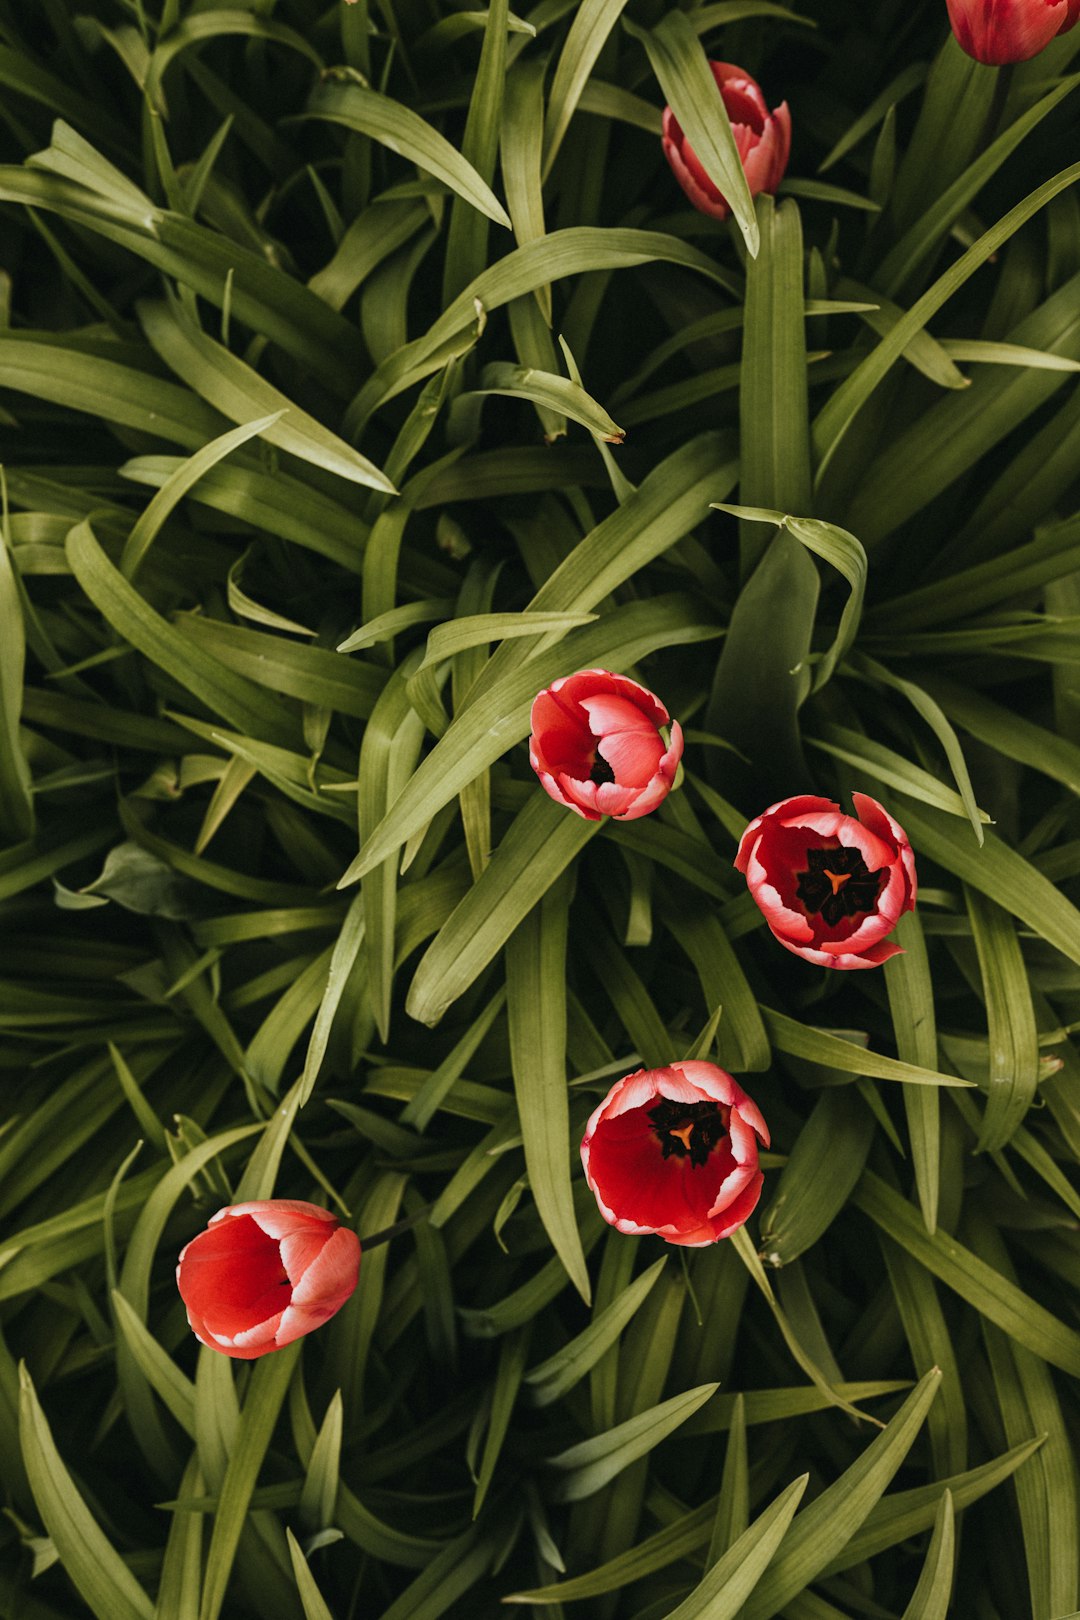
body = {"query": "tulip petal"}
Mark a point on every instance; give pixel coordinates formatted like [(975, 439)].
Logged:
[(231, 1276), (580, 796), (694, 181), (742, 95), (633, 756), (331, 1275), (764, 165), (999, 31), (738, 1213)]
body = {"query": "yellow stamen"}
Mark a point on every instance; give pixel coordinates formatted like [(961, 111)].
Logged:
[(837, 879), (684, 1133)]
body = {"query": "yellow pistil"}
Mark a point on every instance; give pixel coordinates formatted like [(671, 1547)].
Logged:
[(684, 1133), (837, 879)]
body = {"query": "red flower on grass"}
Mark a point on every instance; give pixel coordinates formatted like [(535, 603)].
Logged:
[(674, 1152), (266, 1273), (597, 748), (830, 886), (762, 137), (999, 31)]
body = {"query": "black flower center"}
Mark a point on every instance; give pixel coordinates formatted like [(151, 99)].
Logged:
[(837, 884), (601, 771), (689, 1130)]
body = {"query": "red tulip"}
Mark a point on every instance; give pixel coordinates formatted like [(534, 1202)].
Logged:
[(762, 137), (596, 745), (998, 31), (266, 1273), (674, 1152), (830, 886)]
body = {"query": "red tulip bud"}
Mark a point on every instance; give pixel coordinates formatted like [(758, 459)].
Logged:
[(998, 31), (264, 1274), (762, 137), (597, 748)]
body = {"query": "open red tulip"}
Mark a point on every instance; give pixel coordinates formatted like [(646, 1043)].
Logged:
[(999, 31), (762, 137), (266, 1273), (674, 1152), (597, 748), (830, 886)]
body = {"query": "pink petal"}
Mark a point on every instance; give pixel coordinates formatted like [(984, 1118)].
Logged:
[(782, 920), (278, 1215), (704, 196), (739, 1212), (637, 1090), (599, 682), (789, 812), (634, 753), (579, 796), (331, 1276), (706, 1082), (732, 1186), (300, 1249), (699, 1238), (826, 823), (742, 95), (874, 850), (254, 1341), (765, 165), (612, 799), (644, 801)]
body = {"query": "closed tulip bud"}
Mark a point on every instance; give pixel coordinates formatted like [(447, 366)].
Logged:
[(830, 886), (999, 31), (597, 747), (266, 1273), (673, 1152), (762, 137)]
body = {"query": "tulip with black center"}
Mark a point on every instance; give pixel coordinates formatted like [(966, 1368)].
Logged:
[(837, 884), (830, 886), (674, 1151)]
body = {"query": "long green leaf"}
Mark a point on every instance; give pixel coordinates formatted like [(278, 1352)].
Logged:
[(1014, 1041), (99, 1574), (240, 393), (16, 804), (930, 1599), (1001, 874), (589, 1465), (265, 1395), (177, 485), (830, 1521), (992, 1295), (911, 1002), (726, 1587), (540, 845), (231, 696), (536, 1004), (837, 416), (404, 131)]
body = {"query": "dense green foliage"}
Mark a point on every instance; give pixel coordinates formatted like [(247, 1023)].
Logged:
[(319, 328)]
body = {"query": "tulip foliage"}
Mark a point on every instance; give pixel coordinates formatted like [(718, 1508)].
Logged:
[(522, 533)]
